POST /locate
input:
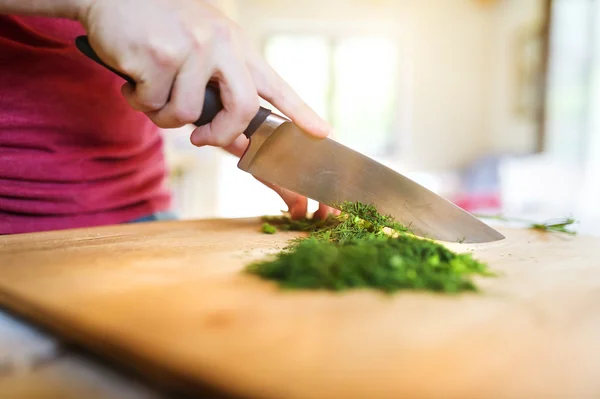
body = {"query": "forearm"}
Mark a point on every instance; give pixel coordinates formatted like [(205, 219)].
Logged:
[(72, 9)]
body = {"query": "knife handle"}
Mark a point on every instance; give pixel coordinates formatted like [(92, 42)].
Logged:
[(212, 99)]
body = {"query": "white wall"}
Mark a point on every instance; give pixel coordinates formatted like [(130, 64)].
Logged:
[(450, 41), (455, 94), (509, 131), (456, 72), (590, 198)]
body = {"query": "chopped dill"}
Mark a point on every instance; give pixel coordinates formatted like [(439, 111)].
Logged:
[(361, 248), (284, 223), (356, 221), (268, 228), (554, 226)]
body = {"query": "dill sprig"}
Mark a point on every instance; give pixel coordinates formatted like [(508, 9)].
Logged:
[(362, 248), (369, 214), (555, 226), (268, 228)]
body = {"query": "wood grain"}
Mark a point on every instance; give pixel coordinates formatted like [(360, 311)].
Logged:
[(169, 299)]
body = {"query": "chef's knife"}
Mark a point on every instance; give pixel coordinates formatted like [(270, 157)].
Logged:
[(326, 171)]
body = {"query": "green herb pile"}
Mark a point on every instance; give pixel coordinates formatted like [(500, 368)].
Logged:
[(362, 249), (268, 228)]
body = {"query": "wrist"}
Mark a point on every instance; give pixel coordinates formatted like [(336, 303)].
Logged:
[(72, 9), (78, 9)]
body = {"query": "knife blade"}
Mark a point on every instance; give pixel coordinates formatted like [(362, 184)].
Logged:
[(326, 171)]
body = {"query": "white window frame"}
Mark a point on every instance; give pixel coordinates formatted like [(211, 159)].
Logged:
[(338, 30)]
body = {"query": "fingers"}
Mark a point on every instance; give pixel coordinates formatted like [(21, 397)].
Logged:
[(153, 87), (324, 211), (240, 105), (238, 146), (187, 96), (149, 94), (296, 203), (276, 91)]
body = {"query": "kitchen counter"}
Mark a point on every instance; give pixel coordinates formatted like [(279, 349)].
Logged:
[(34, 364)]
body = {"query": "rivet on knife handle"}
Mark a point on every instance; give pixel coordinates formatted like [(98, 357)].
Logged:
[(212, 100)]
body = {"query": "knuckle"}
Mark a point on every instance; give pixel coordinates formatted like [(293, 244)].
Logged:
[(247, 109), (136, 105), (236, 31), (224, 31), (222, 140), (186, 114), (146, 103), (207, 135), (199, 41), (275, 89), (128, 65), (161, 120), (280, 88), (165, 54), (140, 103), (220, 137)]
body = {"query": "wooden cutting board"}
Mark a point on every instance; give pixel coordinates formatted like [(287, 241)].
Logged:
[(169, 300)]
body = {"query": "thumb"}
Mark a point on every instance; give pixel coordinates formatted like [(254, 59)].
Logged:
[(279, 93)]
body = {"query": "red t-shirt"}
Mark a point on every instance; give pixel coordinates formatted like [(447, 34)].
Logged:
[(72, 151)]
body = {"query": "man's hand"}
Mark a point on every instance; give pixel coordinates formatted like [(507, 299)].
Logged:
[(174, 47), (297, 204)]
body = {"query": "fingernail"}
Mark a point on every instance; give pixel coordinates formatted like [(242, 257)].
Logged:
[(323, 131)]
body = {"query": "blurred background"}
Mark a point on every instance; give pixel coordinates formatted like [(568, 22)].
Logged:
[(494, 104)]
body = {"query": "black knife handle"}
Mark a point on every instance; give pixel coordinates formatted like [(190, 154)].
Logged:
[(212, 100)]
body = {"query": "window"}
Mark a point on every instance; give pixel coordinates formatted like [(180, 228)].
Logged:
[(574, 68), (351, 81)]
